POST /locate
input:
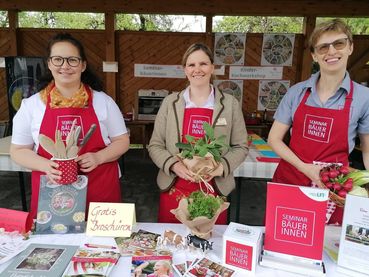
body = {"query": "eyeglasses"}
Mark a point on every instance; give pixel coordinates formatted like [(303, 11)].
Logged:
[(338, 44), (59, 61)]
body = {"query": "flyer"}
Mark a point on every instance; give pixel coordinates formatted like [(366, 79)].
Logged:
[(354, 243)]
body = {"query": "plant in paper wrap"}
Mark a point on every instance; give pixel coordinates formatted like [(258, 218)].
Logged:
[(202, 155), (200, 210)]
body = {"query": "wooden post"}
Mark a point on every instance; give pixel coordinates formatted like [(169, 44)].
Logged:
[(209, 30), (308, 27), (110, 77), (13, 28)]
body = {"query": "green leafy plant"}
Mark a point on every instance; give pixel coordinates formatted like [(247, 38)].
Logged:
[(200, 204), (201, 146)]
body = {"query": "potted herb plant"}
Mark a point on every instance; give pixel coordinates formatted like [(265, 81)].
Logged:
[(200, 210)]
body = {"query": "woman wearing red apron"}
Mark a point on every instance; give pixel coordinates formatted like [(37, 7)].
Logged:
[(325, 113), (184, 113), (67, 96)]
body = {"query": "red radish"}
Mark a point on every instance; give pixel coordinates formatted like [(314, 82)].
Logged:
[(342, 193), (333, 173), (325, 178), (348, 184), (329, 185), (344, 170), (324, 173), (337, 186)]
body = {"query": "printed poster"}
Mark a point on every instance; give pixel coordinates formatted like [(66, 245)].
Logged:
[(271, 93), (277, 49), (295, 220), (229, 48), (232, 87)]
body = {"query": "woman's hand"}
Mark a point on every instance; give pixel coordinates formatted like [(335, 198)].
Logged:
[(51, 169), (181, 171), (312, 172), (88, 161)]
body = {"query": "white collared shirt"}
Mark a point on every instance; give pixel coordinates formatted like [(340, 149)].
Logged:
[(209, 104)]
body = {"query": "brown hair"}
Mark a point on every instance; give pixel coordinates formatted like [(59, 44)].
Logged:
[(195, 47), (334, 25)]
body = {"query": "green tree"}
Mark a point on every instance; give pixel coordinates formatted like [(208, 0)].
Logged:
[(61, 20), (68, 20), (4, 22), (259, 24), (359, 26), (151, 22)]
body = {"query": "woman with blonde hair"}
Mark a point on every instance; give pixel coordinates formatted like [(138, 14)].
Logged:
[(183, 114)]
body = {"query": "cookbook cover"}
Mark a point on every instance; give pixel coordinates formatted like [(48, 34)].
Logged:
[(41, 260), (295, 220), (354, 242), (61, 208), (92, 262)]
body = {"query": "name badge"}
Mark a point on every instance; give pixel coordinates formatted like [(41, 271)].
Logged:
[(221, 122)]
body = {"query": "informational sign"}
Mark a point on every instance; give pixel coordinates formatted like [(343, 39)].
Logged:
[(159, 71), (255, 72), (110, 219)]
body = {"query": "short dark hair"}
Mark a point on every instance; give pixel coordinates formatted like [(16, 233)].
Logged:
[(87, 77)]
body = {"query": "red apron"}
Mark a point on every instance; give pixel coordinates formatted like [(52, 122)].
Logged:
[(192, 125), (318, 134), (103, 181)]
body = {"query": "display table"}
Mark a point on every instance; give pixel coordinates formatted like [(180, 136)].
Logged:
[(122, 269), (7, 164)]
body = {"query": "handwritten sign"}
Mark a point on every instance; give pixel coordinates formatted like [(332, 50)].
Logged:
[(110, 219), (159, 71), (12, 220), (256, 72)]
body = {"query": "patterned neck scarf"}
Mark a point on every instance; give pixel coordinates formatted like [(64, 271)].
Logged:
[(78, 100)]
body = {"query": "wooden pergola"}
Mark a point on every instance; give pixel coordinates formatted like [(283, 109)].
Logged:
[(308, 9)]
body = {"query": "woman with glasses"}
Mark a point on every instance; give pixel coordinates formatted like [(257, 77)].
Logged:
[(69, 93), (325, 113)]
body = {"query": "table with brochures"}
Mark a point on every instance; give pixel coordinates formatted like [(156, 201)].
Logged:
[(122, 269)]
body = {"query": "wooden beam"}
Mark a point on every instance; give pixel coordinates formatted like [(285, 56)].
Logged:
[(110, 77), (209, 30), (13, 27), (308, 27), (334, 8)]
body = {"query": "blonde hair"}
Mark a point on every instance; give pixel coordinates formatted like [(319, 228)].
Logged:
[(334, 25), (166, 264), (195, 47)]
